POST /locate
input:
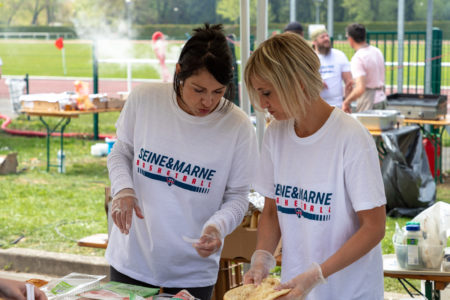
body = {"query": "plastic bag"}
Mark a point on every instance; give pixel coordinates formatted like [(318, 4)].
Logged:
[(434, 223)]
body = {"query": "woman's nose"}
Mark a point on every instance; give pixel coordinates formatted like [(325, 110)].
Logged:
[(207, 100), (264, 104)]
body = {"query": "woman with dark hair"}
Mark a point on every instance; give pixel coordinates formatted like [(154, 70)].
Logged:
[(180, 171)]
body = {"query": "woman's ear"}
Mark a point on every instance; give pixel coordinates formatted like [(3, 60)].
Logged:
[(177, 68)]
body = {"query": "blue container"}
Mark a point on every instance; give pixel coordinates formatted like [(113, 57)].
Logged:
[(110, 143)]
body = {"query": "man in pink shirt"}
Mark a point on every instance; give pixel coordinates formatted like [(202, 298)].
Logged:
[(367, 67)]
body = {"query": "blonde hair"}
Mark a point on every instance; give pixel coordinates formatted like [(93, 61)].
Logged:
[(289, 63)]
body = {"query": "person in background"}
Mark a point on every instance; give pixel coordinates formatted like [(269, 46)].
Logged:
[(1, 64), (180, 170), (334, 69), (16, 290), (295, 27), (367, 66), (159, 46), (320, 175)]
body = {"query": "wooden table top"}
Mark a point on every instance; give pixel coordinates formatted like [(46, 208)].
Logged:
[(441, 122), (66, 113)]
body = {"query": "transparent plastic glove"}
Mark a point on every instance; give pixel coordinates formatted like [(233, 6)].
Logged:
[(210, 241), (261, 263), (123, 205), (16, 290), (302, 284)]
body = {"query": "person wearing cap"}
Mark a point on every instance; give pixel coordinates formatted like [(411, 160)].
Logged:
[(367, 67), (159, 45), (294, 27), (334, 68)]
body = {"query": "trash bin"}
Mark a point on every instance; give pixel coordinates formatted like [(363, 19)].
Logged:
[(408, 182), (16, 89)]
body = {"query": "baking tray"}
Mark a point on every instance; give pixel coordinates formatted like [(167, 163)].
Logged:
[(377, 119)]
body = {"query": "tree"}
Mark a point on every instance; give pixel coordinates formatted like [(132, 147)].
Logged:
[(230, 10), (10, 9)]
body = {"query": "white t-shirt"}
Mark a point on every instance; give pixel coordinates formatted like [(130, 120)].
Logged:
[(319, 183), (369, 62), (187, 171), (331, 68)]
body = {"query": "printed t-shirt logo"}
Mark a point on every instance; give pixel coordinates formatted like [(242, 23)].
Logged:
[(310, 204), (174, 172)]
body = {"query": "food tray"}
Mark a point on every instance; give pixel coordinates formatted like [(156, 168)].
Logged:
[(377, 119)]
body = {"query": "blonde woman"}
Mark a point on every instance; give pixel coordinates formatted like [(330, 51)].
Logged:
[(320, 174)]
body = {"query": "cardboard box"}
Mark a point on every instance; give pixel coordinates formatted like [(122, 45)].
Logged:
[(240, 244), (38, 105), (99, 104), (8, 163), (115, 103)]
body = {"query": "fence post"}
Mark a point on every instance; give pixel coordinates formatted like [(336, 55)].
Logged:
[(95, 84), (436, 56)]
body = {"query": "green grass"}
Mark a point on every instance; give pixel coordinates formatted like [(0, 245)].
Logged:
[(51, 210), (42, 58)]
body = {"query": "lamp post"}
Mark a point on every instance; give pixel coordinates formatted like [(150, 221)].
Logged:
[(317, 3), (175, 10), (128, 5)]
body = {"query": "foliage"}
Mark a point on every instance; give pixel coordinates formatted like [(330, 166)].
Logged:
[(114, 13)]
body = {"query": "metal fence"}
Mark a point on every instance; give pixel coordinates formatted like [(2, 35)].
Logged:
[(413, 68)]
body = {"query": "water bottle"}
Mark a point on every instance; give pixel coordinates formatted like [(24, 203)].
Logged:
[(413, 240), (61, 167)]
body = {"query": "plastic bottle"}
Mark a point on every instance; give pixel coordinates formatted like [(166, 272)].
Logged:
[(61, 166), (413, 239)]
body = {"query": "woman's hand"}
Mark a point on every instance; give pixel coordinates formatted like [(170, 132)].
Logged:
[(210, 242), (16, 290), (302, 284), (123, 205), (261, 263)]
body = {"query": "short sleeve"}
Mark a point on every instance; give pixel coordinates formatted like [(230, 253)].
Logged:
[(362, 172), (357, 67)]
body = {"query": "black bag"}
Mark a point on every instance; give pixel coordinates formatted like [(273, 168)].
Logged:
[(408, 183)]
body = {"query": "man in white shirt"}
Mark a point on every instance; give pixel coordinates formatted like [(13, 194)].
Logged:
[(367, 66), (334, 68)]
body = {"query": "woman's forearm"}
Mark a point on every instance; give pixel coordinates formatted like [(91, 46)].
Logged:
[(365, 239)]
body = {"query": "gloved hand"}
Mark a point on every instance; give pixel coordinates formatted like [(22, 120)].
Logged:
[(210, 241), (302, 284), (261, 263), (17, 290), (123, 204)]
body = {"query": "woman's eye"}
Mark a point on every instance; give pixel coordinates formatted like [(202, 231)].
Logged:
[(218, 92), (198, 91), (266, 93)]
